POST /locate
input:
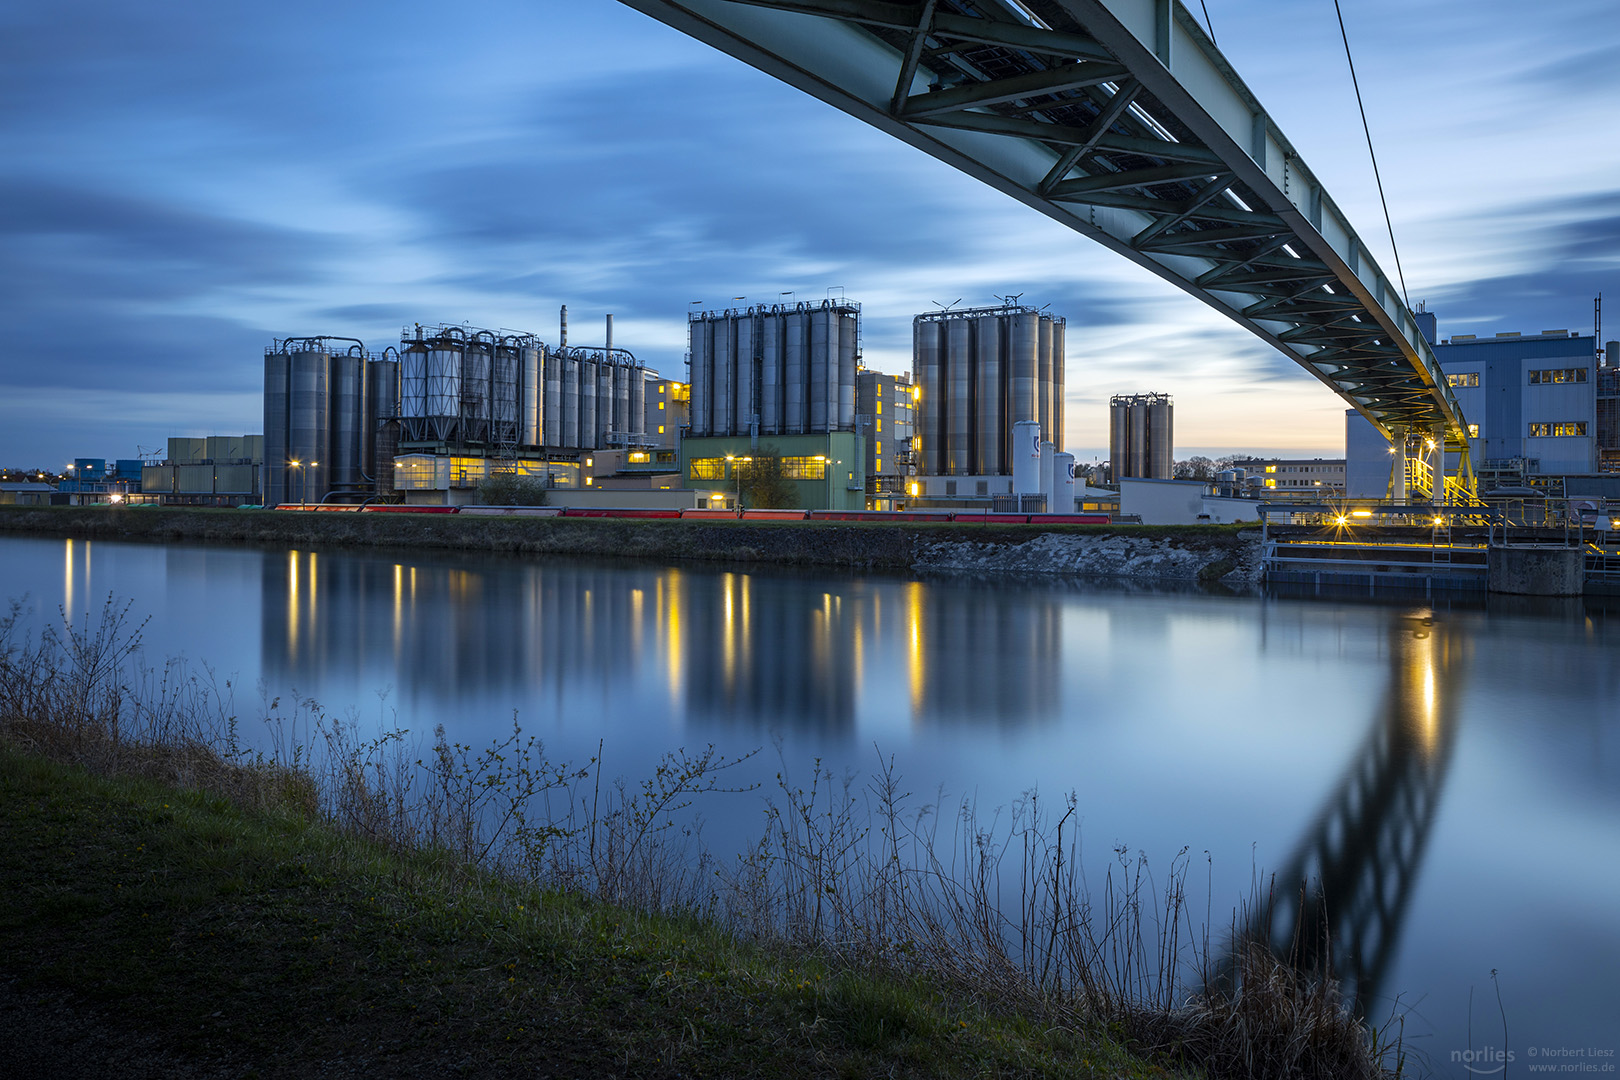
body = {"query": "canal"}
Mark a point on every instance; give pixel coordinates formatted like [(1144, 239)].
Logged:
[(1451, 773)]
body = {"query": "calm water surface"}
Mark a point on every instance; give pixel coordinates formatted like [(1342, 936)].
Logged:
[(1453, 774)]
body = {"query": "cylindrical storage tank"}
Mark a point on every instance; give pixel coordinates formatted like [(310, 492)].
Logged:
[(506, 395), (1043, 377), (722, 400), (1063, 484), (959, 419), (277, 372), (988, 450), (587, 405), (1058, 376), (847, 332), (568, 433), (532, 431), (744, 413), (1136, 445), (796, 373), (477, 374), (368, 424), (1026, 458), (1023, 361), (621, 400), (443, 407), (382, 382), (1048, 461), (929, 376), (308, 437), (604, 403), (823, 368), (700, 377), (638, 402), (413, 365), (1161, 441), (551, 366), (346, 420), (772, 367), (1119, 427)]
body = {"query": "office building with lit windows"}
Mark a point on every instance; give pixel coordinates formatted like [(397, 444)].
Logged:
[(1530, 402), (885, 408)]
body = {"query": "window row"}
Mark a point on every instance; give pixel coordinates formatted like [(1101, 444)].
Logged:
[(1465, 378), (1558, 430), (1558, 375)]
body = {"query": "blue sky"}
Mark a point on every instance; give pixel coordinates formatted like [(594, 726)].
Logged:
[(183, 182)]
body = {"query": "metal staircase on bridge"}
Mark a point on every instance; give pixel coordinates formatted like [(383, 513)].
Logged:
[(1121, 120)]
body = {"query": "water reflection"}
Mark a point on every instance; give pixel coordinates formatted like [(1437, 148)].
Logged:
[(727, 647), (1343, 895)]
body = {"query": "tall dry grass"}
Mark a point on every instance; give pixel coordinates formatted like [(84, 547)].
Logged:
[(995, 907)]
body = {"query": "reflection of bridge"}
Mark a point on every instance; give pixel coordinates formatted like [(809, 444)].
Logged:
[(1342, 896), (1121, 120)]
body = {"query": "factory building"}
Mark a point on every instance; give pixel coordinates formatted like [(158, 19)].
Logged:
[(451, 405), (668, 412), (1141, 436), (220, 470), (1319, 476), (979, 371), (885, 407), (776, 379), (1538, 406)]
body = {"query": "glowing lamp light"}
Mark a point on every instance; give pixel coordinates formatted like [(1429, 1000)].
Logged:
[(1361, 513), (915, 489), (1342, 520)]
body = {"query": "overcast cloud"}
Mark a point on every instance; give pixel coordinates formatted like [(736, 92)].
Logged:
[(185, 182)]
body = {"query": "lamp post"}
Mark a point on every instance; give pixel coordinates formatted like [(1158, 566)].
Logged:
[(736, 473), (299, 465)]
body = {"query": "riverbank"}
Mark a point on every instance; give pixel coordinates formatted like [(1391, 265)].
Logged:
[(1227, 555), (158, 931)]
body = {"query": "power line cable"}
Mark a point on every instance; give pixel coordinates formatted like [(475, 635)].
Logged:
[(1372, 154)]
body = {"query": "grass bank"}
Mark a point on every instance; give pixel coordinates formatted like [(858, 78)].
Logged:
[(205, 938), (848, 545)]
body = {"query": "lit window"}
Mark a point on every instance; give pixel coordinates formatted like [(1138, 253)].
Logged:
[(880, 404), (588, 481), (1467, 378), (1271, 468), (660, 404), (660, 429), (878, 447), (880, 424), (1473, 431), (590, 463), (879, 464), (708, 468)]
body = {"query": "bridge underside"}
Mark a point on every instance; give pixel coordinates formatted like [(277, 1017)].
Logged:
[(1120, 119)]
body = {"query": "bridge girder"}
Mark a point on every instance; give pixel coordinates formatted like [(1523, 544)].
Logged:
[(1121, 120)]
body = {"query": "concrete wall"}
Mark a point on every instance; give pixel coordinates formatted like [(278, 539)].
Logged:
[(1163, 502), (585, 498)]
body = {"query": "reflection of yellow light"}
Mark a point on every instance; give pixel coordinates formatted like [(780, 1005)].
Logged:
[(914, 641), (67, 581), (292, 602), (399, 607), (673, 632)]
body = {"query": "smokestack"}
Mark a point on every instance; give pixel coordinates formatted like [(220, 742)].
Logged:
[(562, 343), (610, 334)]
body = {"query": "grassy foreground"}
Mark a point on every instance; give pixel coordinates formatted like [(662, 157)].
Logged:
[(264, 943)]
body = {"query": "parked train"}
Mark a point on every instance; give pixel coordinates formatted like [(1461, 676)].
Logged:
[(961, 517)]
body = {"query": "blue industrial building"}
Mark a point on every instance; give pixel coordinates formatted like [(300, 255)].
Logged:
[(1530, 401)]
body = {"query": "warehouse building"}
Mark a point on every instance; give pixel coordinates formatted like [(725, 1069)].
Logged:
[(220, 470)]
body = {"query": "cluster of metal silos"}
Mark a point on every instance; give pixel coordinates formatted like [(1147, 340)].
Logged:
[(790, 369), (503, 392), (982, 370), (323, 405), (1141, 438)]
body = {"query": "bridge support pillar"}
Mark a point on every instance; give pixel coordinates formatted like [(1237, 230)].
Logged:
[(1438, 455), (1397, 475)]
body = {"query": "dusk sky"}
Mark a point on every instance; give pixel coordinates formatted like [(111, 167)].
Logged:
[(183, 182)]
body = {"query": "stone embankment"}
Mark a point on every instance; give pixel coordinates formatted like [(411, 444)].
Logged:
[(1206, 554)]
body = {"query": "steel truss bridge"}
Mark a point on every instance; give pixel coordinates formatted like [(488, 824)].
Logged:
[(1121, 120)]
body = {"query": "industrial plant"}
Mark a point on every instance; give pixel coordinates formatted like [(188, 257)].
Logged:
[(1141, 436)]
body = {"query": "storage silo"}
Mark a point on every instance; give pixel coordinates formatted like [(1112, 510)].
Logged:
[(796, 372), (413, 367), (722, 340), (621, 400), (1160, 439), (551, 426), (532, 429), (569, 432), (959, 418), (927, 348), (382, 382), (700, 376), (604, 402), (505, 394), (823, 367), (345, 420), (443, 405), (772, 373), (1063, 485), (1023, 357), (847, 333), (1026, 458), (1059, 407), (743, 414), (638, 402), (1043, 378), (989, 401), (308, 440), (587, 404), (477, 382), (277, 375)]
